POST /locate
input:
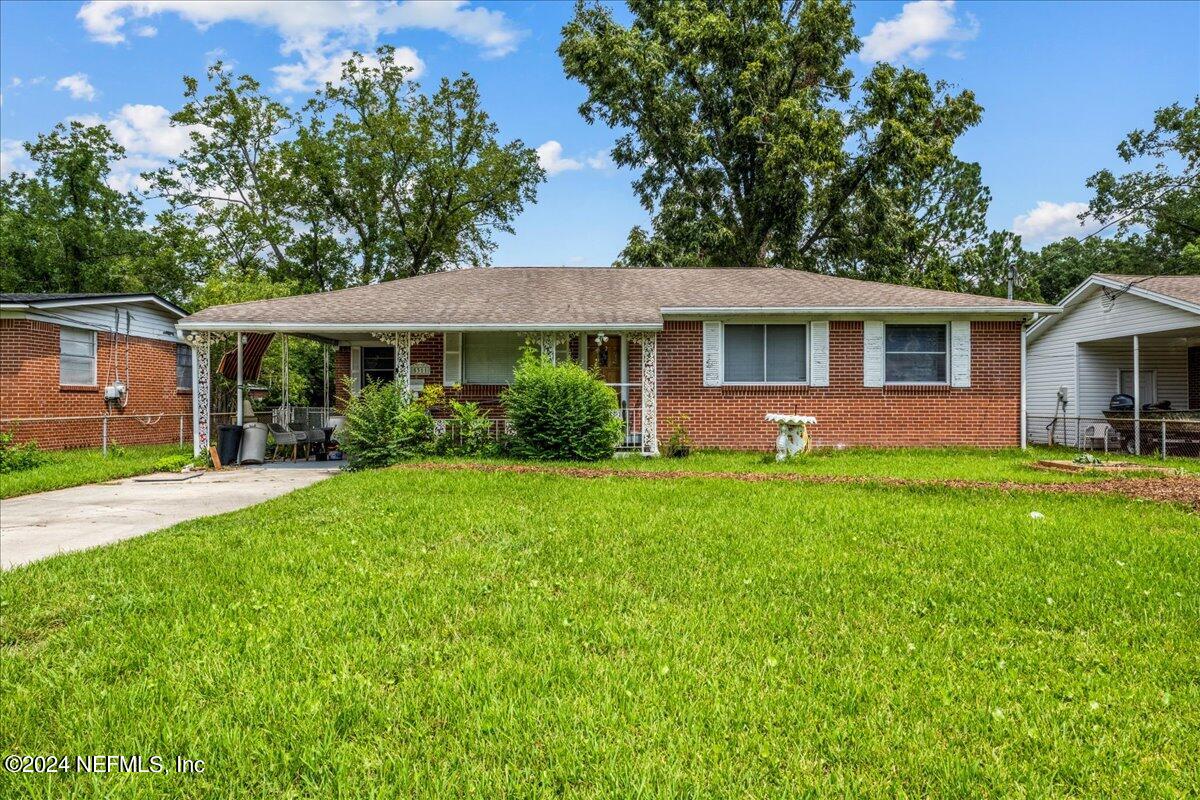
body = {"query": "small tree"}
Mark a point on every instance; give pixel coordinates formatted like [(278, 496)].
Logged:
[(561, 412)]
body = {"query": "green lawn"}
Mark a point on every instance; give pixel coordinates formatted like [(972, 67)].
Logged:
[(448, 634), (964, 463), (65, 468)]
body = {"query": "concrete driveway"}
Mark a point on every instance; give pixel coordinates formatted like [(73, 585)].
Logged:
[(41, 525)]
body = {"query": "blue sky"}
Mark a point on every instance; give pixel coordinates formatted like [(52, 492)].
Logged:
[(1060, 84)]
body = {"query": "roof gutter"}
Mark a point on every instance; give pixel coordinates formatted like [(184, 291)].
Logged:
[(861, 310), (371, 327)]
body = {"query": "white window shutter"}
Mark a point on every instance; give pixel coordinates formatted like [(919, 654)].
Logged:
[(818, 337), (872, 353), (960, 353), (355, 370), (451, 358), (712, 354)]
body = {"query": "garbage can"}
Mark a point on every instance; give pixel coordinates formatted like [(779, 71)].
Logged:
[(229, 438), (254, 443)]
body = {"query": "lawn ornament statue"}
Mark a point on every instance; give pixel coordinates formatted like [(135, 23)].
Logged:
[(793, 434)]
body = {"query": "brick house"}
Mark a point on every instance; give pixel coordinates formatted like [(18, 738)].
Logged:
[(709, 350), (68, 361)]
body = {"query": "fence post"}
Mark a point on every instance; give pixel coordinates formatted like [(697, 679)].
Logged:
[(104, 436), (181, 431), (1164, 439)]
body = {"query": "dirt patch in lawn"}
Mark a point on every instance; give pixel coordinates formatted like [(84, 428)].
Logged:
[(1174, 489)]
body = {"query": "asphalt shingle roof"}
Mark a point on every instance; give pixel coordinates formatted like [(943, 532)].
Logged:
[(586, 296), (1179, 287)]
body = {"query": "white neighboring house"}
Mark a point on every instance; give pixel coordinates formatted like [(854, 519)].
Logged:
[(1112, 325)]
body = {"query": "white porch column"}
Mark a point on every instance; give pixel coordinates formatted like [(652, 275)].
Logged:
[(402, 343), (649, 343), (240, 388), (201, 342), (1137, 397)]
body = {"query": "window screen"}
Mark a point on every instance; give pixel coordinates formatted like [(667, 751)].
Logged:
[(915, 354), (489, 358), (765, 353), (183, 366), (76, 357), (1146, 391)]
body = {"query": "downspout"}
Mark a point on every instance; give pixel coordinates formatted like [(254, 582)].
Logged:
[(1024, 393)]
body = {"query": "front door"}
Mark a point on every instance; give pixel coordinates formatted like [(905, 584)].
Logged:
[(605, 358)]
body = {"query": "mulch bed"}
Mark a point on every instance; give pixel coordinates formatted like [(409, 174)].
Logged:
[(1175, 489)]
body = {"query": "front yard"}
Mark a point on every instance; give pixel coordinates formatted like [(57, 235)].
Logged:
[(446, 633), (65, 468)]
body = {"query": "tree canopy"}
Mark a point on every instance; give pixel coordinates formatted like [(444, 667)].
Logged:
[(755, 148)]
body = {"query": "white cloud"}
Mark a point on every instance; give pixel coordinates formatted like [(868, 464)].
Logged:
[(920, 25), (1048, 222), (147, 129), (315, 68), (601, 160), (550, 158), (12, 157), (317, 31), (78, 85), (146, 31)]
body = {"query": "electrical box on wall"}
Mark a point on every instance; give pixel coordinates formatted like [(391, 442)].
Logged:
[(114, 391)]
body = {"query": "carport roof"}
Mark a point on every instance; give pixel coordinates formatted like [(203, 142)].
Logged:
[(1176, 287)]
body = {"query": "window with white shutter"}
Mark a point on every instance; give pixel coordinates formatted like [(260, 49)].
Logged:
[(765, 354)]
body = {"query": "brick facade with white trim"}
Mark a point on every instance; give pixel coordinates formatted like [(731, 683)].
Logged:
[(986, 414)]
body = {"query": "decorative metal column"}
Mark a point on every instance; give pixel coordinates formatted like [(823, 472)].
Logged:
[(649, 344), (201, 342), (402, 342), (548, 341)]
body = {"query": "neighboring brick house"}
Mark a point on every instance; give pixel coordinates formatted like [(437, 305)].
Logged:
[(709, 350), (59, 353)]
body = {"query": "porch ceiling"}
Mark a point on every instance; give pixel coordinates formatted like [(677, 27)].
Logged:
[(1176, 337)]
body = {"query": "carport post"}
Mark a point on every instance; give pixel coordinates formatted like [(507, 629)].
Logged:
[(1137, 398), (240, 388)]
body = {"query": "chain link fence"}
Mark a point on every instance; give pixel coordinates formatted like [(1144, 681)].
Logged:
[(1162, 434)]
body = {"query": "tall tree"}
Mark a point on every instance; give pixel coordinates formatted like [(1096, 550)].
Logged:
[(64, 228), (418, 183), (754, 150), (1154, 211), (231, 182)]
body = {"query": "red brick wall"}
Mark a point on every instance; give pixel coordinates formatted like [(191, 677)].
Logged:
[(986, 414), (29, 388)]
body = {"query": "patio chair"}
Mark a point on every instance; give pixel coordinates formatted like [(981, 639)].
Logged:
[(1096, 434), (306, 438), (284, 437)]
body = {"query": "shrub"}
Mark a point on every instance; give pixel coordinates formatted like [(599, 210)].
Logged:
[(468, 431), (680, 443), (172, 463), (382, 427), (561, 412), (18, 457)]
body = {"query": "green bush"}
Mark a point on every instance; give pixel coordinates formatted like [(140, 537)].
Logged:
[(172, 463), (468, 432), (17, 457), (384, 426), (561, 412)]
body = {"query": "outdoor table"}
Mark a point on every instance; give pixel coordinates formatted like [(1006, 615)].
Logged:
[(793, 434)]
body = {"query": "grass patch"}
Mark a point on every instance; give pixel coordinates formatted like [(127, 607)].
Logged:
[(64, 468), (431, 634)]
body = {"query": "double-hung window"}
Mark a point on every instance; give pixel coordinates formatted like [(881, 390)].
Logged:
[(766, 353), (915, 354), (76, 357), (183, 367), (489, 357)]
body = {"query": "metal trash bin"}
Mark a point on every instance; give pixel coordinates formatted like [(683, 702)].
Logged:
[(229, 437), (254, 443)]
